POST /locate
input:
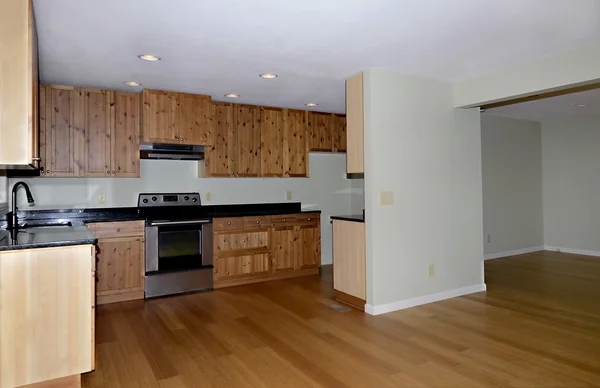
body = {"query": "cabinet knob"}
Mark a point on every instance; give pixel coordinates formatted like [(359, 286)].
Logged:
[(284, 220), (142, 240), (229, 223), (42, 170), (118, 229), (47, 171), (113, 173), (107, 172), (309, 219), (244, 240), (177, 137), (258, 222)]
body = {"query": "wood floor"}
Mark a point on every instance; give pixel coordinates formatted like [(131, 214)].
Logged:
[(538, 325)]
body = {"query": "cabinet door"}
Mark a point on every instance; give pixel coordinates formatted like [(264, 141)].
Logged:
[(160, 117), (120, 269), (221, 130), (283, 249), (355, 125), (194, 118), (320, 131), (44, 121), (60, 119), (236, 267), (308, 250), (245, 143), (271, 137), (295, 144), (92, 132), (125, 135), (339, 133)]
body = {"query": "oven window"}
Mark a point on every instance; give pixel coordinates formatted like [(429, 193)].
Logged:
[(179, 249)]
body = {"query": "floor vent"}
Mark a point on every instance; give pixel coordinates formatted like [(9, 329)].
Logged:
[(339, 308)]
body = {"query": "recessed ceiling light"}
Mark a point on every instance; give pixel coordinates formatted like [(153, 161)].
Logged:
[(579, 105), (268, 75), (232, 95), (132, 83), (149, 57), (311, 104)]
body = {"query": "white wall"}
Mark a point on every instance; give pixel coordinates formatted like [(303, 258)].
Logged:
[(571, 171), (512, 184), (429, 155), (327, 189), (357, 199)]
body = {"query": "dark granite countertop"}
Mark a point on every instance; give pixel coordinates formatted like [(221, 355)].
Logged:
[(354, 218), (44, 237), (80, 217)]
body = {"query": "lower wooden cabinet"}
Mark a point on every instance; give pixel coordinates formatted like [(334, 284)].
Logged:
[(121, 263), (46, 314), (255, 249)]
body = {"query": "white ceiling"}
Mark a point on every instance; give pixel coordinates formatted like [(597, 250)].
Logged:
[(220, 46), (553, 108)]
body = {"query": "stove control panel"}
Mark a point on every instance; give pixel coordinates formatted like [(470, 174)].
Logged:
[(168, 199)]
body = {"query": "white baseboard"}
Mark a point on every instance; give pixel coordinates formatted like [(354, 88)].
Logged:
[(514, 252), (407, 303), (572, 250)]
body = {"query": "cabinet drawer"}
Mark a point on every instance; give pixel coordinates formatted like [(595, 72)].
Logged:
[(283, 220), (239, 241), (257, 222), (228, 223), (117, 229), (240, 266), (308, 219)]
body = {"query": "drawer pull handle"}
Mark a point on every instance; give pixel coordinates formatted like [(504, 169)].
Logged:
[(118, 229), (113, 173), (107, 172), (229, 223), (244, 240), (258, 222), (309, 219), (284, 220)]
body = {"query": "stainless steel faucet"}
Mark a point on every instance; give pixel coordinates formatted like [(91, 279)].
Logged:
[(14, 224)]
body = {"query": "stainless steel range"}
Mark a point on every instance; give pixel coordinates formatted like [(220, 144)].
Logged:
[(179, 249)]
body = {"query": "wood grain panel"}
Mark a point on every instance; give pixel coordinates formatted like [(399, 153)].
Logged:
[(120, 266), (309, 249), (339, 132), (239, 241), (45, 113), (221, 128), (92, 132), (257, 222), (194, 118), (355, 125), (117, 229), (160, 121), (320, 129), (230, 223), (283, 249), (64, 382), (349, 262), (245, 146), (295, 143), (271, 148), (60, 149), (236, 267), (125, 135), (47, 314)]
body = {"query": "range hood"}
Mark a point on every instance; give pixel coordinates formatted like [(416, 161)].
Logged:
[(172, 151)]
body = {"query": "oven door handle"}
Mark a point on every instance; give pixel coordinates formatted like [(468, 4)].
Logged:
[(191, 222)]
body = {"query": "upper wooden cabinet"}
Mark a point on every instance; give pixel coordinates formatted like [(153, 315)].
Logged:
[(338, 133), (295, 143), (218, 163), (355, 125), (88, 132), (271, 146), (244, 142), (327, 132), (18, 85), (175, 118)]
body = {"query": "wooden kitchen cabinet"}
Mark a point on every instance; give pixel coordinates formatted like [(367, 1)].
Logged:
[(261, 248), (57, 138), (271, 135), (160, 117), (47, 319), (88, 132), (19, 115), (120, 270), (355, 125), (244, 142), (321, 131), (349, 262), (175, 118), (338, 133), (295, 143), (217, 158)]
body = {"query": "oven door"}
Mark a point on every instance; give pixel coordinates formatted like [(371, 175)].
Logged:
[(178, 245)]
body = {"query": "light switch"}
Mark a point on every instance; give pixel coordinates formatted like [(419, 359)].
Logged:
[(101, 198), (207, 196), (386, 197)]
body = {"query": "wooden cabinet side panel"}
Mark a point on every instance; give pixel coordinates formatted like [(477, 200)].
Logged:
[(217, 155), (246, 141), (271, 136), (355, 125), (295, 151), (349, 262), (339, 133), (125, 135), (194, 118), (47, 314)]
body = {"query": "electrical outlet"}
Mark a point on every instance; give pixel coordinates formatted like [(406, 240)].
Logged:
[(431, 270), (207, 196), (489, 238), (101, 198), (288, 195), (386, 198)]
